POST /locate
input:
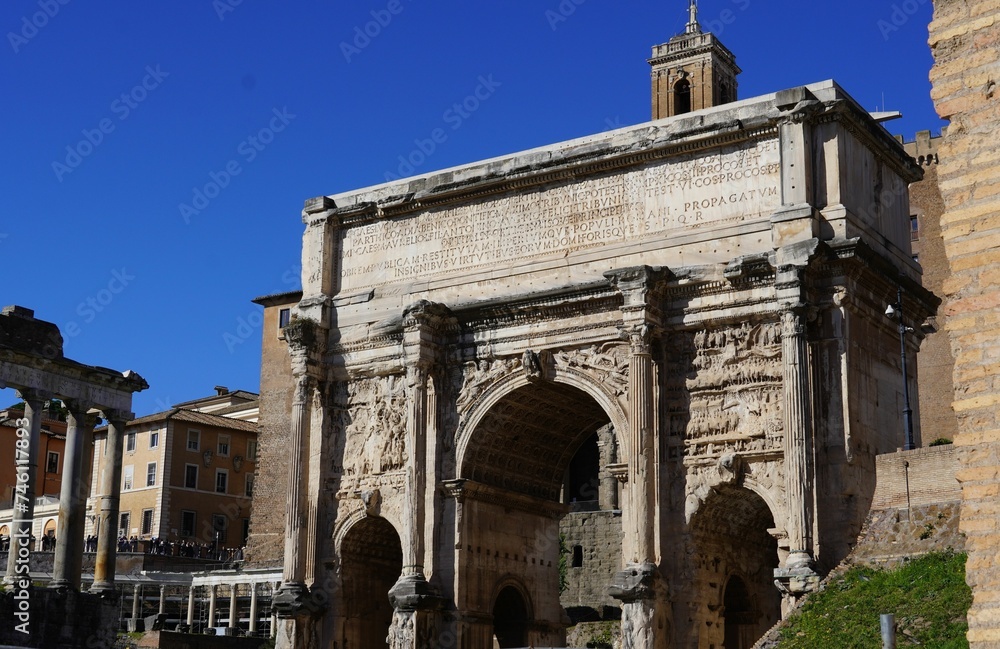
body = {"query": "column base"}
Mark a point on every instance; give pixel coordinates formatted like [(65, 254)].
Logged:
[(796, 580), (105, 589), (62, 586), (645, 623)]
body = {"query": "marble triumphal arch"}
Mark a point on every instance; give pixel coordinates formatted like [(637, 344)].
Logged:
[(703, 295)]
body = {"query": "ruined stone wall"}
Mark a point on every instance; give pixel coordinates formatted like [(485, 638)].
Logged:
[(598, 534), (964, 37)]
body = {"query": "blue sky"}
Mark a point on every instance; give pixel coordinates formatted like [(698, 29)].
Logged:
[(118, 120)]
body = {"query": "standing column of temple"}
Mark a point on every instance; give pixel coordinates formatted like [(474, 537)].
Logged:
[(26, 463), (68, 560), (109, 500)]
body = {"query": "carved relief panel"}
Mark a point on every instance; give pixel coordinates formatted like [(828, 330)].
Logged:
[(724, 391), (373, 415)]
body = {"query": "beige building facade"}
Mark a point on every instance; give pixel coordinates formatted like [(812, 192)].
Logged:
[(188, 473)]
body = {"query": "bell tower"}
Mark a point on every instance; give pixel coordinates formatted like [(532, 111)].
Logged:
[(692, 71)]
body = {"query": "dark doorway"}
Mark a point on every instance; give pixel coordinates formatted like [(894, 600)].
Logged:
[(510, 619), (584, 483), (740, 631)]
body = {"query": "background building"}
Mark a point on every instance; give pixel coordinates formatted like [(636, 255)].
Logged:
[(188, 472)]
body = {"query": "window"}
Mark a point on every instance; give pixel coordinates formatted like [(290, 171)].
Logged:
[(284, 317), (194, 440), (127, 474), (221, 480), (914, 227), (220, 526), (154, 438), (252, 450), (130, 442), (147, 521), (191, 476), (249, 489), (577, 556), (223, 445), (682, 97), (151, 474), (52, 462), (916, 258), (187, 523), (123, 524)]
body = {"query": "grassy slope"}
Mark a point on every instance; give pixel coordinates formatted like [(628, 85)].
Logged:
[(928, 596)]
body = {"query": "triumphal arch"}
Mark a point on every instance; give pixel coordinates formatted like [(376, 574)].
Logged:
[(699, 297)]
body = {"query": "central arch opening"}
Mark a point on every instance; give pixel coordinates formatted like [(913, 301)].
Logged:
[(371, 560), (536, 458)]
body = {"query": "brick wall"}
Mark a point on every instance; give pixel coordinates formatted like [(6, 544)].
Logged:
[(965, 40), (928, 474)]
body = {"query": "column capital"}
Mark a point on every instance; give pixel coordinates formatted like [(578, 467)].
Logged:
[(118, 418), (33, 395), (636, 282)]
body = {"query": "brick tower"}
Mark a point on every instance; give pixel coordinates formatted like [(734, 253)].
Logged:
[(692, 71)]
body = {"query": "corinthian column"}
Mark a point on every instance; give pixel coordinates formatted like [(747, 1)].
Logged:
[(798, 576), (798, 438), (293, 590), (639, 586)]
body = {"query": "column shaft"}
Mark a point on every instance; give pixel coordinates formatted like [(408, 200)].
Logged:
[(190, 612), (212, 593), (136, 597), (233, 617), (640, 467), (295, 519), (26, 463), (797, 417), (253, 609), (413, 552), (72, 501), (109, 498)]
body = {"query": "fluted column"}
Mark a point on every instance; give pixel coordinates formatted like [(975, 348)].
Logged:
[(639, 586), (798, 575), (108, 504), (26, 471), (798, 438), (608, 489), (293, 587), (68, 560)]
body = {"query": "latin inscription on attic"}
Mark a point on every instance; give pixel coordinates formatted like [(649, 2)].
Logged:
[(735, 185)]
